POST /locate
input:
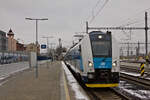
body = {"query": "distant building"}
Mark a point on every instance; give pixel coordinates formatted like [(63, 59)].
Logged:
[(20, 46), (32, 48), (3, 41), (12, 43)]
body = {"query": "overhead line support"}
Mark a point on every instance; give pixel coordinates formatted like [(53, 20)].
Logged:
[(116, 28)]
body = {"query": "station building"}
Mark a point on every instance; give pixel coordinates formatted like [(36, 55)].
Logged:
[(3, 41)]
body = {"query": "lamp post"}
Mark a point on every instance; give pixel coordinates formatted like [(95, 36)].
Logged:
[(52, 52), (42, 19), (47, 45)]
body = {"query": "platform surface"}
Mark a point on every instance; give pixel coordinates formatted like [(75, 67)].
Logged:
[(25, 86)]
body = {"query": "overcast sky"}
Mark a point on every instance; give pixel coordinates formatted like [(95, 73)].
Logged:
[(65, 17)]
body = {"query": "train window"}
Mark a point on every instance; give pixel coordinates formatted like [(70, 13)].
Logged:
[(101, 48)]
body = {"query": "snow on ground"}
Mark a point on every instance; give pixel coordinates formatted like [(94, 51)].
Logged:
[(74, 84), (130, 64), (134, 93), (145, 92), (130, 73), (134, 90), (148, 78), (146, 75)]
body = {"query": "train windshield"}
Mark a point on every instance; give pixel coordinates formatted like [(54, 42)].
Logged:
[(101, 48)]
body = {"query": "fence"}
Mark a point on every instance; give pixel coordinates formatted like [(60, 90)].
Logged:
[(132, 50), (12, 57)]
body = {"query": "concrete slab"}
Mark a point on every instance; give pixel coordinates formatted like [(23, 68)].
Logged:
[(24, 86)]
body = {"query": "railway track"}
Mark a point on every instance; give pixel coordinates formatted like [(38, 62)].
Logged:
[(108, 94), (133, 68), (130, 67), (100, 93), (135, 80), (116, 93), (133, 61)]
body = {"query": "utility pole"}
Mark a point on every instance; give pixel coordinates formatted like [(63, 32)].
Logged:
[(128, 50), (60, 44), (138, 49), (60, 49), (87, 27), (51, 50), (121, 52), (130, 36), (36, 40), (146, 31)]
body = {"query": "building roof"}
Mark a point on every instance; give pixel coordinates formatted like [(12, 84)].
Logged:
[(10, 32), (2, 32)]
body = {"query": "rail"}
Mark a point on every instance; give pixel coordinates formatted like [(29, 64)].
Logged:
[(99, 93), (135, 80)]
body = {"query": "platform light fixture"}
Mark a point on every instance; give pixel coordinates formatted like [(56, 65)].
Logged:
[(42, 19)]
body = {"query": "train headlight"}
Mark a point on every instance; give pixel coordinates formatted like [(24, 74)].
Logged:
[(90, 64), (99, 36), (114, 64)]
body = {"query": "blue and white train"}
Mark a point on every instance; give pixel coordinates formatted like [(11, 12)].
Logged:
[(95, 59)]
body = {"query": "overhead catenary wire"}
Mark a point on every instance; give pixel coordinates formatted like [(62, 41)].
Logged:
[(132, 23), (97, 3), (95, 7), (138, 22), (94, 16), (132, 18)]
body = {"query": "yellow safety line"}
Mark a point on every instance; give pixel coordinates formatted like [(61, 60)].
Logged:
[(66, 88)]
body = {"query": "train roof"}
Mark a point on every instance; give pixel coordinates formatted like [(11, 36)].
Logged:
[(90, 33), (99, 32)]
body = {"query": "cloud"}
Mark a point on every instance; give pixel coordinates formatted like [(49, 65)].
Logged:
[(65, 16)]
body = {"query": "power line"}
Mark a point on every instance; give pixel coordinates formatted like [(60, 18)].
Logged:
[(131, 23), (132, 18), (95, 7), (94, 16), (134, 22), (138, 22), (97, 3)]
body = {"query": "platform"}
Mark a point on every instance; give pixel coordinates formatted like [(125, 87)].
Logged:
[(51, 84)]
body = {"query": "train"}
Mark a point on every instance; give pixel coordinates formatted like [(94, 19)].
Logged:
[(95, 60)]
